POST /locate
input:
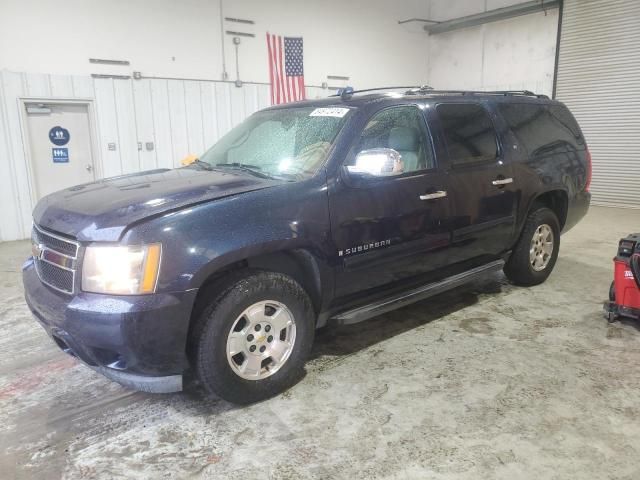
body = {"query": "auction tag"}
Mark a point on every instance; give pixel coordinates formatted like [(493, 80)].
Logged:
[(329, 112)]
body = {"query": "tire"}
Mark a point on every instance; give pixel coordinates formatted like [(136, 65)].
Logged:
[(612, 292), (245, 303), (520, 268)]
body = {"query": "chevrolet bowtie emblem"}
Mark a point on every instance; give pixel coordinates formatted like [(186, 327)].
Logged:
[(37, 249)]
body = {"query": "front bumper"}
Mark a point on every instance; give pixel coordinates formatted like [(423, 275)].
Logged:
[(138, 341)]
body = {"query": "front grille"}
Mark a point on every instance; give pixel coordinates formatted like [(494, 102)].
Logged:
[(55, 276), (55, 259), (55, 243)]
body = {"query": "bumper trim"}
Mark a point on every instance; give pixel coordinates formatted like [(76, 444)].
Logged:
[(142, 383)]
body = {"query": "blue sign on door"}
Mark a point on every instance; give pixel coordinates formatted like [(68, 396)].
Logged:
[(59, 136), (60, 155)]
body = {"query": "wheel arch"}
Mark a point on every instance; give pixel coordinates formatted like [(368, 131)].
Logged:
[(556, 200), (298, 263)]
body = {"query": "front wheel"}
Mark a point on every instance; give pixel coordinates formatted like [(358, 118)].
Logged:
[(253, 339), (535, 254)]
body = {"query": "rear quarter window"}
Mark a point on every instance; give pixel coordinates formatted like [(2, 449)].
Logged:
[(541, 128)]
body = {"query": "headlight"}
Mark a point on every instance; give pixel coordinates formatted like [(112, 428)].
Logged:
[(121, 270)]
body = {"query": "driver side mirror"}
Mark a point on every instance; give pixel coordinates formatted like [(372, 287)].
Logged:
[(377, 162)]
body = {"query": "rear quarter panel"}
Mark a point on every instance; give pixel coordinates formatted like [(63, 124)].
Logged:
[(558, 162)]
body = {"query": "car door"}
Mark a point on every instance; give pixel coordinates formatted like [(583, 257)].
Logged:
[(391, 227), (482, 192)]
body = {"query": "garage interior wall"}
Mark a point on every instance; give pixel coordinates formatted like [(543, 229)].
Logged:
[(599, 80), (188, 108), (513, 54)]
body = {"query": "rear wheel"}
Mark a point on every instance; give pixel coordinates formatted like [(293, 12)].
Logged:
[(252, 340), (535, 254)]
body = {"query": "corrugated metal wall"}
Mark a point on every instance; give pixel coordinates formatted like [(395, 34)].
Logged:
[(178, 116), (599, 80)]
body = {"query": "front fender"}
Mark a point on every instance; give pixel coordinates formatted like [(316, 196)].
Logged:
[(200, 240)]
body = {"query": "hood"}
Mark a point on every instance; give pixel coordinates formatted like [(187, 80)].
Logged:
[(102, 210)]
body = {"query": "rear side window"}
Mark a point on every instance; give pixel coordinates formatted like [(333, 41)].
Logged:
[(542, 128), (468, 131)]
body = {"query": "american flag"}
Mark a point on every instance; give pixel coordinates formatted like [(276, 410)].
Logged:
[(286, 71)]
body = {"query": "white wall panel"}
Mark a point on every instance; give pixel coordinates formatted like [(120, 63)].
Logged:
[(223, 107), (195, 127), (10, 221), (37, 85), (108, 128), (82, 86), (237, 104), (162, 123), (209, 113), (143, 108), (61, 86), (13, 85), (250, 99), (178, 116), (126, 119)]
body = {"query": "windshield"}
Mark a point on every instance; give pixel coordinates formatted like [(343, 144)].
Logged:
[(290, 143)]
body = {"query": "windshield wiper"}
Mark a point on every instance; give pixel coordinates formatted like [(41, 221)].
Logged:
[(253, 169), (237, 164)]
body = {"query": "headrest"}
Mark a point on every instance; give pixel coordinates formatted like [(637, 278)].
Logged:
[(403, 138)]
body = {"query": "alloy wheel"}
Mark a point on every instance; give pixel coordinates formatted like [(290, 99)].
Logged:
[(541, 248), (261, 340)]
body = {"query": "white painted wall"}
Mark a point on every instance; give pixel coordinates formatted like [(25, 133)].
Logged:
[(357, 38), (517, 53)]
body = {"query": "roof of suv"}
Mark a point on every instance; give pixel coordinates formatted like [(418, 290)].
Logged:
[(360, 98)]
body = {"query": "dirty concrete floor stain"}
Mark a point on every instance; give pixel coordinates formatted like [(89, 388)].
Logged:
[(488, 381)]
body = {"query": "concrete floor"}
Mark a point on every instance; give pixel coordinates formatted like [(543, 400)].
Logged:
[(489, 381)]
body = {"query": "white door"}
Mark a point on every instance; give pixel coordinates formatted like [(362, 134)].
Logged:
[(60, 146)]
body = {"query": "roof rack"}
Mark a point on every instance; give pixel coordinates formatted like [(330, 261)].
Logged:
[(523, 93), (348, 92)]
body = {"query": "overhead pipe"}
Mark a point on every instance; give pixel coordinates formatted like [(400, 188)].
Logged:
[(511, 11)]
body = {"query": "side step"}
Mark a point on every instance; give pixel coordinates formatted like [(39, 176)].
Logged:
[(406, 298)]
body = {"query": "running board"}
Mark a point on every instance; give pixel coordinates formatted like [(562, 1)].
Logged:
[(406, 298)]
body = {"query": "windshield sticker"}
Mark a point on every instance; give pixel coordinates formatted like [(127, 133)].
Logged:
[(329, 112)]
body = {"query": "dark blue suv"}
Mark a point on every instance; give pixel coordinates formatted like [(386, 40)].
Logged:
[(336, 210)]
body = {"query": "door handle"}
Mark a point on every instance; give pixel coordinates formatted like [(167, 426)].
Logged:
[(502, 181), (434, 195), (88, 168)]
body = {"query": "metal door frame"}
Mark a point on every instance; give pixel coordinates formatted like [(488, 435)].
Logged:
[(26, 140)]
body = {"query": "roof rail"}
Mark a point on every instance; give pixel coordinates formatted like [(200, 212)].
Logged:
[(523, 93), (347, 93)]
